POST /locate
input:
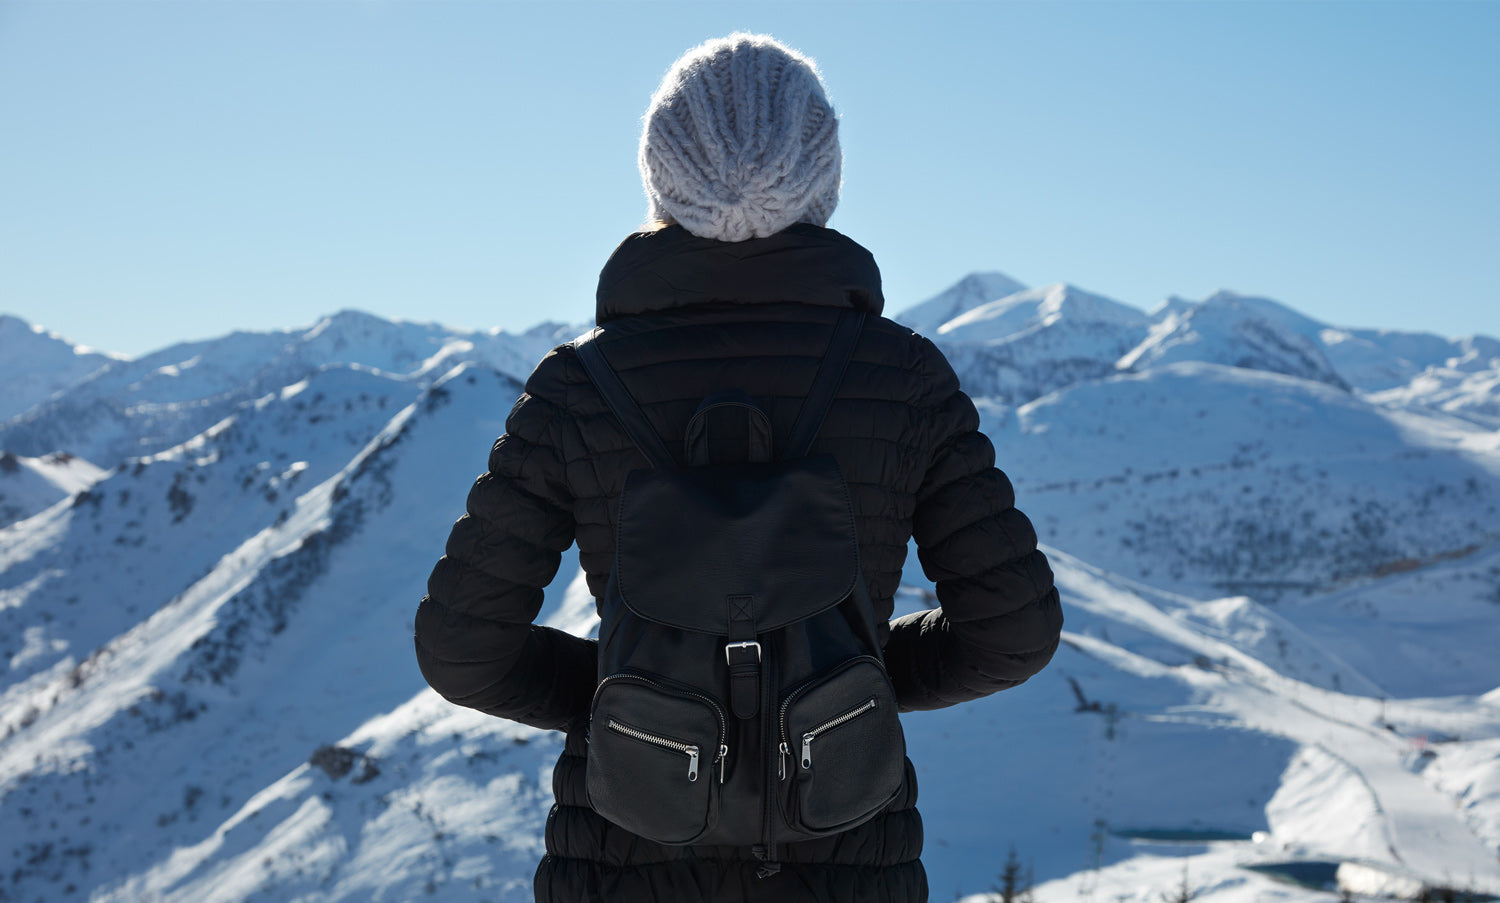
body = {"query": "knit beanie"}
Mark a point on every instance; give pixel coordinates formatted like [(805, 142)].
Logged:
[(740, 141)]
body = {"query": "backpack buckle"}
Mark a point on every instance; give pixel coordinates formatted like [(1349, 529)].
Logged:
[(743, 646)]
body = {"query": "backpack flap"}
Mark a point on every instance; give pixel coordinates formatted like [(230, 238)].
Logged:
[(700, 547)]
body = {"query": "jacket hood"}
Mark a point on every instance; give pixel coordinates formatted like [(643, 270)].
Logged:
[(670, 268)]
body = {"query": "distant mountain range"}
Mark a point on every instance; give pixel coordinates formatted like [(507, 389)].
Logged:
[(1278, 543)]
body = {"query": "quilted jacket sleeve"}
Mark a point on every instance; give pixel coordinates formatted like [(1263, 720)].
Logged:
[(475, 641), (1000, 619)]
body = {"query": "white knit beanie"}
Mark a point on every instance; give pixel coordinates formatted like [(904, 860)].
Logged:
[(741, 141)]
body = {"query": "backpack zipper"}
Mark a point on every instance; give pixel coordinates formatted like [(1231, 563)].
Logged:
[(686, 749), (792, 697), (766, 852), (867, 706), (674, 691)]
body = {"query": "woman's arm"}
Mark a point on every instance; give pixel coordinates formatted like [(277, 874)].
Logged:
[(475, 641), (1000, 618)]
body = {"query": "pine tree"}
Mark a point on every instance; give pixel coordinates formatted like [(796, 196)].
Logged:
[(1009, 888), (1026, 896), (1184, 892)]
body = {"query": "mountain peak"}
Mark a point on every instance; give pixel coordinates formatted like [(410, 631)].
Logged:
[(1266, 309), (1037, 307), (1237, 331), (966, 294), (1175, 304), (1065, 299), (345, 320)]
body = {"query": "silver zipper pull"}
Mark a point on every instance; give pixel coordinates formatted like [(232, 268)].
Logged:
[(807, 740), (781, 761), (692, 754), (723, 755)]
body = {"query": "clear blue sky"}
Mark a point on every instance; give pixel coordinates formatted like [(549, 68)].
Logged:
[(174, 170)]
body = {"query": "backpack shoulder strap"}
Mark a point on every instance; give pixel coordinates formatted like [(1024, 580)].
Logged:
[(621, 402), (825, 384)]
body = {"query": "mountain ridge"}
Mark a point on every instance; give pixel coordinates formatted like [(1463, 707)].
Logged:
[(1281, 563)]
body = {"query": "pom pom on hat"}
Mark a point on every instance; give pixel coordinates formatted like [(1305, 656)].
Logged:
[(740, 141)]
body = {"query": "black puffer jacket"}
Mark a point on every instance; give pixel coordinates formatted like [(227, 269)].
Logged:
[(683, 317)]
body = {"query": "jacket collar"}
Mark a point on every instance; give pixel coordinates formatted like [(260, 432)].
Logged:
[(670, 268)]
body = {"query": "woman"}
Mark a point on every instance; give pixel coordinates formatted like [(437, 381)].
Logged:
[(737, 286)]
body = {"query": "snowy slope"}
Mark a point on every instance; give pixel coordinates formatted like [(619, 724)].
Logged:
[(1426, 630), (1106, 746), (1216, 480), (428, 800), (140, 537), (1466, 383), (292, 640), (28, 485), (35, 364)]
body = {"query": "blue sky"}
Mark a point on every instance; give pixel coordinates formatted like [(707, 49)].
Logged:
[(173, 170)]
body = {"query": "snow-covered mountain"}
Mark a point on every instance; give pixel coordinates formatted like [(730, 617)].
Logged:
[(974, 290), (1214, 479), (289, 637), (133, 408), (35, 363), (150, 529), (1038, 340), (1278, 545), (1467, 383), (1021, 344), (1250, 333)]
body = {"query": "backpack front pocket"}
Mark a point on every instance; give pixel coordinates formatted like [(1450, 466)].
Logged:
[(842, 751), (656, 754)]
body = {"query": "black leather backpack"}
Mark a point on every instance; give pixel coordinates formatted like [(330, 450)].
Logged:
[(743, 697)]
